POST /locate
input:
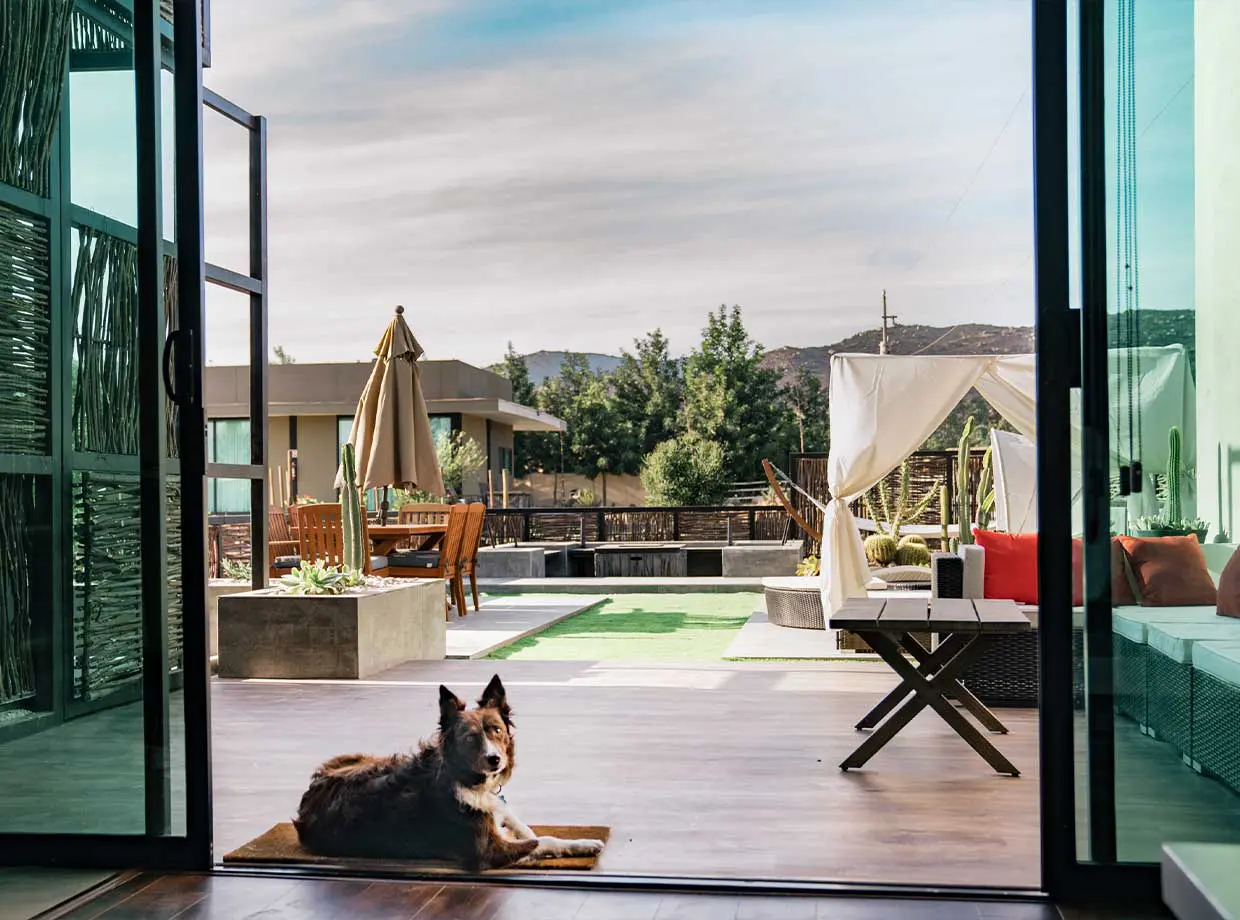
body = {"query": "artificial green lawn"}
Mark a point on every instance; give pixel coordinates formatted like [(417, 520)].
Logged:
[(678, 627)]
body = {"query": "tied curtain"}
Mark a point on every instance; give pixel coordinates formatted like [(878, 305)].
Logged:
[(883, 408)]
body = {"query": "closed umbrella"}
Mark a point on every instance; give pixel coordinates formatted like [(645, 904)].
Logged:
[(391, 428)]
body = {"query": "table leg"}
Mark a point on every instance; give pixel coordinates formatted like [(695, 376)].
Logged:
[(929, 692), (928, 663)]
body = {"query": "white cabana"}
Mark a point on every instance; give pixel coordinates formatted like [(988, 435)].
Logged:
[(884, 407)]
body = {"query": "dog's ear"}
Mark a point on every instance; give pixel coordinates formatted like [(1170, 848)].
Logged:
[(495, 697), (450, 706)]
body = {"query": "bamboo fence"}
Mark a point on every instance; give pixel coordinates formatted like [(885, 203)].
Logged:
[(16, 650), (25, 334)]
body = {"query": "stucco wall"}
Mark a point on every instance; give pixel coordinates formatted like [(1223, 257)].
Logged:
[(316, 456), (1217, 231)]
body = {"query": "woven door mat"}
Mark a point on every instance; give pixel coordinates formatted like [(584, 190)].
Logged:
[(280, 845)]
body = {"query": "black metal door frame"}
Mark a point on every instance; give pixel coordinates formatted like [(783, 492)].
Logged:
[(1072, 353)]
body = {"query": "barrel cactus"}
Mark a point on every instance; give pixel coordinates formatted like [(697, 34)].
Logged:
[(880, 549), (353, 553), (913, 554), (912, 540), (1175, 510)]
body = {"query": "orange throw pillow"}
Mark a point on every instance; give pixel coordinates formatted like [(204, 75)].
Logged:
[(1229, 588), (1122, 593), (1170, 571)]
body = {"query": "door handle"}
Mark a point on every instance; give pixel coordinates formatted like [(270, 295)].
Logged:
[(173, 338)]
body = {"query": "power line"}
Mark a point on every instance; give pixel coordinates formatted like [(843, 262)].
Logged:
[(982, 165)]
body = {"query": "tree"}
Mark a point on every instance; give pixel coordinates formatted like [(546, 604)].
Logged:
[(649, 393), (459, 455), (529, 449), (806, 399), (732, 400), (687, 470), (282, 356)]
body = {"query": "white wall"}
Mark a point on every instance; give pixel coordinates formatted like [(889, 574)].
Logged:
[(1217, 207)]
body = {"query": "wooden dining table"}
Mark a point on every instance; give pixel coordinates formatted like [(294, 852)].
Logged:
[(385, 538)]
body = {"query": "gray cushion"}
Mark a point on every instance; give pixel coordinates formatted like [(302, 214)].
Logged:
[(287, 562), (1221, 659), (378, 562), (414, 560)]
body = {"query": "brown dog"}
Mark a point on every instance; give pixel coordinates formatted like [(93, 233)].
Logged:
[(441, 803)]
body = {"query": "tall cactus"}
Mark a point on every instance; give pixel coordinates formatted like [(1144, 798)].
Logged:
[(945, 517), (964, 500), (985, 492), (351, 511), (1175, 511)]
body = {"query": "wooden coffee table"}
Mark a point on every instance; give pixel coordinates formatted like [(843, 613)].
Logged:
[(932, 677)]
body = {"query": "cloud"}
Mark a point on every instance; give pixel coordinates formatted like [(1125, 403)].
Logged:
[(575, 182)]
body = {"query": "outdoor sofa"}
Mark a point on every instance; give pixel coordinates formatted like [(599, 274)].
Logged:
[(1177, 669)]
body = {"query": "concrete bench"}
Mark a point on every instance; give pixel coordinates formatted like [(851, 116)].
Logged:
[(757, 560), (512, 562)]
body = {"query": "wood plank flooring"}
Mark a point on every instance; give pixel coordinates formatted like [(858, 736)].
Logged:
[(233, 898)]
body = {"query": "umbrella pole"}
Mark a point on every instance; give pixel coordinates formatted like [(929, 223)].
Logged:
[(383, 507)]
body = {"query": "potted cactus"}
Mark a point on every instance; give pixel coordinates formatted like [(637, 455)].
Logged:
[(1171, 522)]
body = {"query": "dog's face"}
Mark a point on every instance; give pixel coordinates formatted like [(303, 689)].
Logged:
[(477, 743)]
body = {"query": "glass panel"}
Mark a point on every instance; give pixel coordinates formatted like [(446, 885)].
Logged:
[(1173, 385), (103, 157), (228, 441)]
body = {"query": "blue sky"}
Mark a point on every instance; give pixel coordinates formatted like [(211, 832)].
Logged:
[(573, 174)]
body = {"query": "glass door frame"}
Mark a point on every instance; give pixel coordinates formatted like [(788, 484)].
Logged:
[(169, 374), (1072, 355)]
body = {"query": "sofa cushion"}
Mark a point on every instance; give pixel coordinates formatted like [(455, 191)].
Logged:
[(1229, 587), (1011, 571), (1144, 616), (1170, 571), (414, 560), (378, 563), (1175, 640), (287, 562), (1220, 659), (1131, 628), (1123, 589)]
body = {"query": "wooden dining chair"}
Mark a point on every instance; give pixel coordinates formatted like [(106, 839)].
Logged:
[(474, 525), (423, 513), (444, 562), (320, 536), (282, 545)]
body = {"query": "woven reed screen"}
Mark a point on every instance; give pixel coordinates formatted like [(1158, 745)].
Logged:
[(105, 344), (34, 40), (25, 334), (16, 652)]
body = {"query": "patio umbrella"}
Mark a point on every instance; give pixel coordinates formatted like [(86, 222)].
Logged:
[(391, 429)]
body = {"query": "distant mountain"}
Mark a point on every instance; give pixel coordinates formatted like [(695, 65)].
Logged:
[(1158, 327), (546, 364)]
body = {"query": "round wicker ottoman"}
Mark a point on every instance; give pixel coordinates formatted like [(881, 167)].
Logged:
[(795, 602)]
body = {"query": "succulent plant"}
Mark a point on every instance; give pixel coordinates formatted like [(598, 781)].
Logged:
[(880, 548), (353, 553), (913, 554), (808, 566), (320, 578)]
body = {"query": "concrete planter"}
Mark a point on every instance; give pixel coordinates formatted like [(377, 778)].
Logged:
[(272, 635), (758, 560), (217, 588)]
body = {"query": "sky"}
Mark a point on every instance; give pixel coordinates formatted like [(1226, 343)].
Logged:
[(570, 174)]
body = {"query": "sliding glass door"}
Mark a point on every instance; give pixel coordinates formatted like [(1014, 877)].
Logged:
[(1151, 752), (102, 633)]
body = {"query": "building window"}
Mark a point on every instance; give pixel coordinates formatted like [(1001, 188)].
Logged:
[(228, 441), (441, 427)]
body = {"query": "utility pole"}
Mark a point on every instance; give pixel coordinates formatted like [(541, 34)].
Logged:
[(889, 320)]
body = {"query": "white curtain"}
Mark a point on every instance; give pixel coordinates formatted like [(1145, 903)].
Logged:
[(884, 407), (1015, 460)]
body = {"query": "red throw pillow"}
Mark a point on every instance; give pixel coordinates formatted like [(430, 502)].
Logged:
[(1170, 571), (1011, 571), (1229, 587)]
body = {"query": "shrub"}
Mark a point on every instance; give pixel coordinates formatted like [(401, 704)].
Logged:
[(687, 470)]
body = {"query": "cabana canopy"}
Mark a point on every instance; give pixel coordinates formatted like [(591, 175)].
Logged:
[(884, 407)]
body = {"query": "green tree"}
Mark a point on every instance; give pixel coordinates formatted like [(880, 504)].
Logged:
[(806, 399), (732, 400), (531, 450), (282, 356), (649, 393), (459, 455), (687, 470)]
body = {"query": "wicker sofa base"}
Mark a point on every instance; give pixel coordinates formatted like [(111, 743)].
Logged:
[(1006, 673), (1216, 729), (1130, 678), (1169, 701), (799, 608)]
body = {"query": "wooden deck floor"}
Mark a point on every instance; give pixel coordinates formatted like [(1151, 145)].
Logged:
[(719, 769)]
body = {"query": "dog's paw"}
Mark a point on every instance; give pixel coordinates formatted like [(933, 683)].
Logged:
[(587, 847)]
